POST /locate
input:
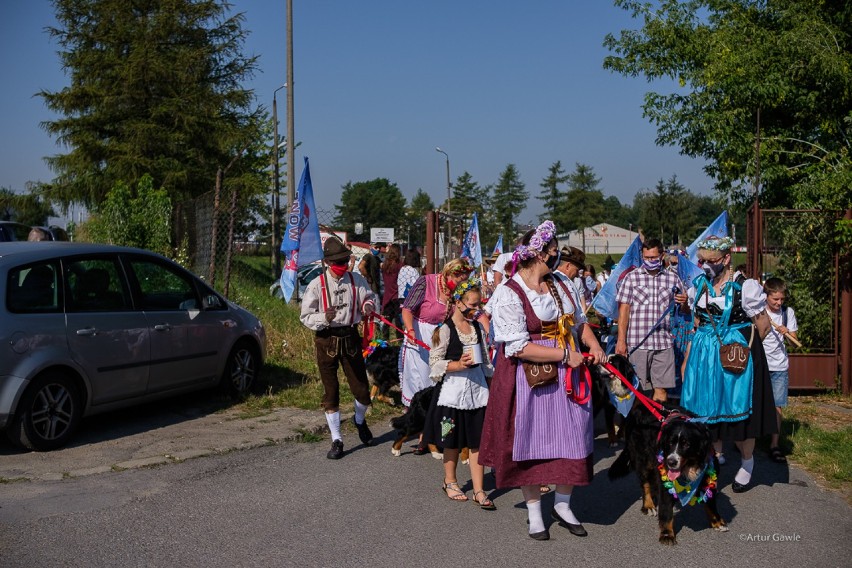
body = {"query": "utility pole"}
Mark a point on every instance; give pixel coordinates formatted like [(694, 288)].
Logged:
[(291, 163)]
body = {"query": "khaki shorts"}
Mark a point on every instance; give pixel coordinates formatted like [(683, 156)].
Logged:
[(655, 368)]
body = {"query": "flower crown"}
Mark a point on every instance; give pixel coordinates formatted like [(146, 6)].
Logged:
[(544, 233), (716, 243), (466, 286), (464, 267)]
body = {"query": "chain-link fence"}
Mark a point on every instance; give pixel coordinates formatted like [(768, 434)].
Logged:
[(221, 242)]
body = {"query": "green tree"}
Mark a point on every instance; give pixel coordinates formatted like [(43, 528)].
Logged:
[(155, 88), (787, 61), (617, 213), (415, 217), (510, 198), (552, 197), (140, 218), (584, 201), (376, 203), (28, 209)]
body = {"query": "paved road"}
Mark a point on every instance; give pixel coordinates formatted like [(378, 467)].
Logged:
[(286, 505)]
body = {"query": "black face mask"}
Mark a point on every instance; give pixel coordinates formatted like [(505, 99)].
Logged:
[(553, 260)]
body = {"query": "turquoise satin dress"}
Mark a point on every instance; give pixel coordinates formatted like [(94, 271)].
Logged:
[(710, 391)]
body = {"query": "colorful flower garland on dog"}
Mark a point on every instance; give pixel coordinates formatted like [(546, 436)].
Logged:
[(689, 493)]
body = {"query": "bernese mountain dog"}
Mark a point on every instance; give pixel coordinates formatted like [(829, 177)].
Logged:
[(383, 372), (674, 462)]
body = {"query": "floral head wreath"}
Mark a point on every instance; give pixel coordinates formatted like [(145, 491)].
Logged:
[(463, 288), (464, 267), (544, 233), (716, 243)]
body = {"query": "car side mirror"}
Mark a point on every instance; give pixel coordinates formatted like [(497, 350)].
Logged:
[(212, 302)]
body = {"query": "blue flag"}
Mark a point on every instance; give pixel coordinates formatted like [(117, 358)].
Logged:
[(471, 248), (301, 241), (605, 302), (498, 248), (687, 270), (719, 228)]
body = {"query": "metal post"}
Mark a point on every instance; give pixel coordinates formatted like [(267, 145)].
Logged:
[(845, 267), (291, 164), (431, 246), (276, 190), (449, 245)]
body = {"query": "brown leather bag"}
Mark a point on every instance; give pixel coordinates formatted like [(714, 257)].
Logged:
[(540, 374), (734, 356)]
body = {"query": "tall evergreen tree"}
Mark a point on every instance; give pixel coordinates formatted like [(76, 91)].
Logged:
[(552, 196), (376, 203), (510, 198), (415, 217), (155, 87), (584, 200)]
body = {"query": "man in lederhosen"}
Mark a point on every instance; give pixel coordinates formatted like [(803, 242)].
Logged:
[(332, 306)]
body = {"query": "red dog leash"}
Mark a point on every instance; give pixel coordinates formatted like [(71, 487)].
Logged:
[(652, 405), (370, 330)]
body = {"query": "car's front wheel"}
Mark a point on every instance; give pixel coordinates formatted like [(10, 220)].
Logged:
[(48, 414), (241, 369)]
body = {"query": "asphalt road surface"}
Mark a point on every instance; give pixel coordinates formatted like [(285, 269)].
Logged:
[(287, 505)]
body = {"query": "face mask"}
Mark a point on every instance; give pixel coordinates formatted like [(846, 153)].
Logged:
[(553, 260), (713, 270), (652, 264), (471, 314), (338, 269)]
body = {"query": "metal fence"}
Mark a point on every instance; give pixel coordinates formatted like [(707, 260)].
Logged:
[(217, 244)]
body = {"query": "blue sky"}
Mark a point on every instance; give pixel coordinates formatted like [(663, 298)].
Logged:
[(380, 83)]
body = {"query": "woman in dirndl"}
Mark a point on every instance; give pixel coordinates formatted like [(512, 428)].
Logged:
[(540, 435), (738, 406)]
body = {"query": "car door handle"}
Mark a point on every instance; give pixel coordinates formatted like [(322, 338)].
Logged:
[(163, 327), (87, 331)]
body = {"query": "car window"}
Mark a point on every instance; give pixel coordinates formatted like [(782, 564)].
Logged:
[(96, 285), (33, 289), (163, 288)]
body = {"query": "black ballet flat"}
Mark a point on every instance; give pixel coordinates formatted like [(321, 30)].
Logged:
[(740, 487), (575, 529), (543, 535)]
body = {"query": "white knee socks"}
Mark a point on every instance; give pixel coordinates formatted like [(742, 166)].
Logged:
[(333, 419), (534, 515), (360, 412), (562, 506), (743, 476)]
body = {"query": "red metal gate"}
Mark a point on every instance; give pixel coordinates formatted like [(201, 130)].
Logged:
[(797, 245)]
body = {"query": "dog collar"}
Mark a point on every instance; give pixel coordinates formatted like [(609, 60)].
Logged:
[(689, 493)]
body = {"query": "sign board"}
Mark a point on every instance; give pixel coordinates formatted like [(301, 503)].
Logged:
[(381, 235)]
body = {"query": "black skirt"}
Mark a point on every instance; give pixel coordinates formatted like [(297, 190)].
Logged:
[(451, 427)]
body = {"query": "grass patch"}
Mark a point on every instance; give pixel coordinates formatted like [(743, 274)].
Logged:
[(817, 433), (308, 437)]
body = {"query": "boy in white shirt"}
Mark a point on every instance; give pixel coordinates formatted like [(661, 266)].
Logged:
[(784, 321)]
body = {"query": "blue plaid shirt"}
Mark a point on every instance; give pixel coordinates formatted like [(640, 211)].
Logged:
[(649, 297)]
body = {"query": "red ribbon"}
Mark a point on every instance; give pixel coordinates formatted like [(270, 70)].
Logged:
[(379, 317), (652, 405)]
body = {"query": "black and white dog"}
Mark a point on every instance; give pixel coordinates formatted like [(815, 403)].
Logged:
[(674, 462)]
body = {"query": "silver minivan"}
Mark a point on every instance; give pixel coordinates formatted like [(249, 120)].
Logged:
[(87, 328)]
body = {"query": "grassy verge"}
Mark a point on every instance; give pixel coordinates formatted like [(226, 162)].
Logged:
[(817, 433)]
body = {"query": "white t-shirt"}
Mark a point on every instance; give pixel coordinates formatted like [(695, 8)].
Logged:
[(773, 344), (500, 263)]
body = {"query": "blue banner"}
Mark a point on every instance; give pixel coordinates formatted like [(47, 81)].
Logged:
[(687, 270), (301, 241), (471, 248), (605, 302), (498, 248), (719, 228)]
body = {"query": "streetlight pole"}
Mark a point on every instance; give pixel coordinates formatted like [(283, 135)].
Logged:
[(449, 222), (291, 140), (276, 188)]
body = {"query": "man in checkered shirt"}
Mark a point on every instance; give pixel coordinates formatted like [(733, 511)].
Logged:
[(643, 297)]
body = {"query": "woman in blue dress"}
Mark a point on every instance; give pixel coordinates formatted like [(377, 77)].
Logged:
[(738, 406)]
